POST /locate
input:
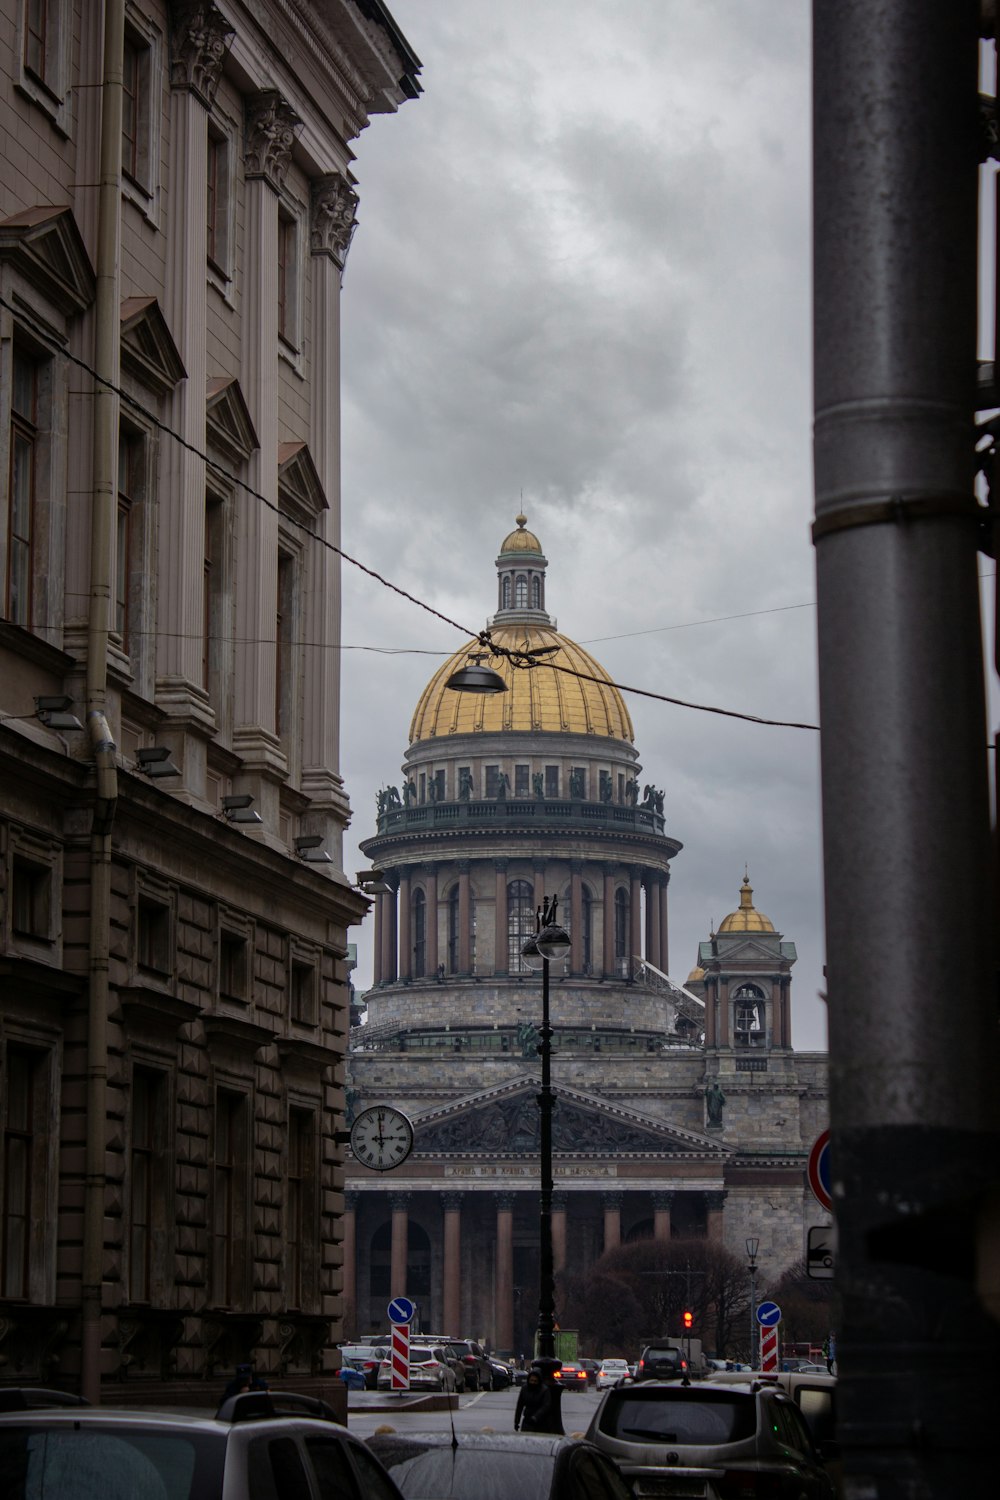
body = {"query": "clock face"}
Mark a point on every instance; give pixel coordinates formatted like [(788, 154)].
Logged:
[(381, 1137)]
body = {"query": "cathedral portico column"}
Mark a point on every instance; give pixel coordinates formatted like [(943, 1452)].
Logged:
[(452, 1265), (431, 890), (662, 1204), (714, 1205), (653, 920), (576, 917), (501, 958), (399, 1203), (464, 917), (711, 1007), (635, 916), (560, 1203), (377, 955), (405, 927), (505, 1271), (612, 1204), (350, 1266), (609, 922), (724, 1032)]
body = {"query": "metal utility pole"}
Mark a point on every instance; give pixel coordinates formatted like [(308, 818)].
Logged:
[(912, 999)]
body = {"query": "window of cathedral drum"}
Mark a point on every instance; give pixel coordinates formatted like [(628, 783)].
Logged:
[(23, 1171), (24, 440), (522, 781), (520, 923), (505, 594), (492, 781), (146, 1186), (536, 593), (300, 1215), (521, 592), (621, 932), (551, 781), (419, 934), (453, 930), (229, 1199)]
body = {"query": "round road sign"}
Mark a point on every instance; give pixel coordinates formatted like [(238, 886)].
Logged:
[(768, 1314), (818, 1170), (401, 1310)]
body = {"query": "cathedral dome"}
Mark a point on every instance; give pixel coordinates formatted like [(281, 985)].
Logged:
[(521, 540), (538, 699), (747, 919)]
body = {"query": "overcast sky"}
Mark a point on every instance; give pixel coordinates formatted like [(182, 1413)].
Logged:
[(582, 272)]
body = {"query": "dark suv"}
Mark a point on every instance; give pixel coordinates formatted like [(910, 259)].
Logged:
[(475, 1362), (724, 1441), (259, 1444), (661, 1362)]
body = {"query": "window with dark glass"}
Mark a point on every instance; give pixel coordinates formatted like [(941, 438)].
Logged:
[(588, 929), (621, 927), (152, 935), (551, 781), (284, 694), (522, 781), (303, 988), (288, 230), (217, 201), (24, 436), (146, 1187), (229, 1198), (233, 967), (521, 592), (136, 107), (36, 38), (536, 593), (492, 781), (30, 898), (213, 581), (453, 930), (20, 1179), (130, 476), (505, 594)]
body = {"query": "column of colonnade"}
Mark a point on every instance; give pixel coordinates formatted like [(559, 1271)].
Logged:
[(393, 946)]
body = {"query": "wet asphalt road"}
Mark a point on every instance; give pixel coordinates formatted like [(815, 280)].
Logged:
[(493, 1410)]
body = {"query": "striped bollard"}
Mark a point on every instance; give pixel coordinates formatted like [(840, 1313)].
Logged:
[(400, 1356), (769, 1350)]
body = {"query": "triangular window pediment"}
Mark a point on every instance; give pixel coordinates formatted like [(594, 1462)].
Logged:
[(752, 953), (148, 351), (300, 490), (228, 424), (46, 248), (504, 1122)]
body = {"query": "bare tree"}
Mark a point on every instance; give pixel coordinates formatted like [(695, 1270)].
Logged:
[(808, 1307)]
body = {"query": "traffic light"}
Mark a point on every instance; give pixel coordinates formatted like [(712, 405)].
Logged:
[(688, 1318)]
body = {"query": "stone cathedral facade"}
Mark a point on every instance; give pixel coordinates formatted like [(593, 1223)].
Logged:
[(681, 1109)]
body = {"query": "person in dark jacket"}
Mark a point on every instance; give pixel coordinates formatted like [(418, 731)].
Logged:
[(534, 1405), (244, 1380)]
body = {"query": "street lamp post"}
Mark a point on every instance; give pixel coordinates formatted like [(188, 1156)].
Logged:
[(753, 1244), (550, 942)]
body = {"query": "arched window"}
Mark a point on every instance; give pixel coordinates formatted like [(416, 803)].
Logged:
[(521, 592), (621, 931), (419, 934), (520, 923), (505, 594), (588, 931), (536, 593), (749, 1015)]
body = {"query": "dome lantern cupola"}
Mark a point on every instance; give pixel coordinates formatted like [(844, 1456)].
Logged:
[(747, 918), (521, 578)]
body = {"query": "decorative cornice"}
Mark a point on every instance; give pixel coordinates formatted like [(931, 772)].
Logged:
[(271, 126), (45, 246), (200, 37), (332, 219)]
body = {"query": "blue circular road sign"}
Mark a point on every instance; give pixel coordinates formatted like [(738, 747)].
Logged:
[(768, 1314), (401, 1310)]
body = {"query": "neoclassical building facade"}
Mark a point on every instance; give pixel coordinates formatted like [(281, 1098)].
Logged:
[(681, 1109)]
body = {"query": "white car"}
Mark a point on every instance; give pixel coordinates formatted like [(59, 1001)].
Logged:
[(611, 1372)]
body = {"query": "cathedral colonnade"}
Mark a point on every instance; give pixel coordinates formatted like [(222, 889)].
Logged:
[(469, 1259), (470, 919)]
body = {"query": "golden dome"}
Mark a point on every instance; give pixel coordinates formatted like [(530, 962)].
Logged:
[(747, 919), (521, 540), (537, 699), (696, 976)]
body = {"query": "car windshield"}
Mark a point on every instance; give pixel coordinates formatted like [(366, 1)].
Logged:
[(67, 1463), (680, 1415), (472, 1474)]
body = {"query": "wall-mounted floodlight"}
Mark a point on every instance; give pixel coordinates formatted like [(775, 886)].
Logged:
[(155, 761), (373, 883), (239, 809), (53, 711), (307, 847)]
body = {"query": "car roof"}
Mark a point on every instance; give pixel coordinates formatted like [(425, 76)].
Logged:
[(485, 1442)]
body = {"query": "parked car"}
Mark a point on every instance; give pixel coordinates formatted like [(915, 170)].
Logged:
[(436, 1466), (429, 1370), (815, 1394), (710, 1439), (503, 1375), (571, 1374), (290, 1444), (366, 1358), (612, 1372), (661, 1362), (352, 1378), (478, 1373)]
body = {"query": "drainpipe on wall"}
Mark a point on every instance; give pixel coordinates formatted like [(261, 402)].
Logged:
[(102, 542)]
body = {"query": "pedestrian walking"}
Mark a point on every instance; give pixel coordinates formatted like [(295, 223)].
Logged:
[(534, 1405)]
